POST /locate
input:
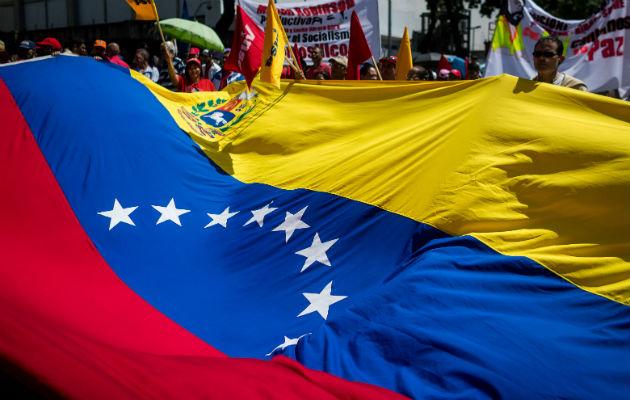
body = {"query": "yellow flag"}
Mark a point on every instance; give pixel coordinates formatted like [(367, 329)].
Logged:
[(273, 49), (405, 61), (145, 9)]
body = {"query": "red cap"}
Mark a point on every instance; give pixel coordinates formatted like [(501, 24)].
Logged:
[(390, 60), (52, 42), (195, 60), (194, 50), (457, 73)]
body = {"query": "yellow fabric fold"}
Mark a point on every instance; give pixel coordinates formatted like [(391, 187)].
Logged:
[(528, 168)]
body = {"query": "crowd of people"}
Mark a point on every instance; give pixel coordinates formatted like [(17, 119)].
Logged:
[(203, 70), (197, 71)]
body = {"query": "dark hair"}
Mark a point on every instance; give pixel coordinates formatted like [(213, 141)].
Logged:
[(365, 68), (474, 67), (554, 39)]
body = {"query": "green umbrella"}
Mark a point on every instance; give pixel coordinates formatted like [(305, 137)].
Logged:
[(192, 32)]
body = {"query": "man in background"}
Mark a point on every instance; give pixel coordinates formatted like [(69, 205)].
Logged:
[(547, 58), (98, 49), (387, 65), (318, 65), (164, 78), (26, 50), (112, 52), (338, 67)]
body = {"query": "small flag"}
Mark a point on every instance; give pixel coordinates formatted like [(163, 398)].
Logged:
[(144, 9), (273, 50), (247, 47), (405, 60), (359, 50)]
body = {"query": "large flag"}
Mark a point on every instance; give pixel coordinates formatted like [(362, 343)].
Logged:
[(145, 9), (247, 47), (594, 47), (273, 47), (223, 245), (405, 59), (358, 48)]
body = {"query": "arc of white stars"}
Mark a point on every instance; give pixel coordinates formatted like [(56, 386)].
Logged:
[(321, 301), (259, 215), (316, 252), (292, 222), (170, 213), (287, 342), (119, 214), (221, 219)]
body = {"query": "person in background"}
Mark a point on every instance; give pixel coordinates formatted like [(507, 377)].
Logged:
[(455, 75), (225, 77), (321, 76), (474, 71), (338, 67), (193, 53), (443, 74), (368, 72), (547, 58), (208, 66), (112, 54), (387, 65), (318, 65), (141, 60), (79, 47), (98, 49), (191, 81), (48, 47), (4, 56), (168, 53), (26, 50), (418, 73)]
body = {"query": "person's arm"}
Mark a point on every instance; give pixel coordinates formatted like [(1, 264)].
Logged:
[(169, 64)]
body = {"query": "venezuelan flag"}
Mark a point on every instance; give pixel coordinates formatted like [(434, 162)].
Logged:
[(318, 240)]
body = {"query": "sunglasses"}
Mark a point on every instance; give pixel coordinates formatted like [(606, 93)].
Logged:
[(547, 54)]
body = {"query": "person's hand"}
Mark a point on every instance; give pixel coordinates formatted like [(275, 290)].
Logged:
[(299, 74), (98, 58), (164, 51), (55, 53)]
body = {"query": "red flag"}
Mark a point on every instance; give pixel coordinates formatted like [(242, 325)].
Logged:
[(247, 47), (444, 64), (359, 50)]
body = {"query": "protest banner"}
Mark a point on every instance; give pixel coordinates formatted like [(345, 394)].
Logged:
[(324, 23), (594, 48)]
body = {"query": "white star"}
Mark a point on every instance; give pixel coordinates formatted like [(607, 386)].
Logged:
[(221, 219), (118, 214), (170, 213), (259, 215), (321, 301), (291, 223), (317, 252), (287, 342)]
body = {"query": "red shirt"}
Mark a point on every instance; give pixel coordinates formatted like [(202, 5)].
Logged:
[(312, 70), (202, 85)]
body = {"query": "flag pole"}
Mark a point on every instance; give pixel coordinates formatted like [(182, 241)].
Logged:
[(292, 62), (157, 19), (378, 72)]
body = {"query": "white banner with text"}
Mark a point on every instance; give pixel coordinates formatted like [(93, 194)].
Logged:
[(594, 48), (324, 24)]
